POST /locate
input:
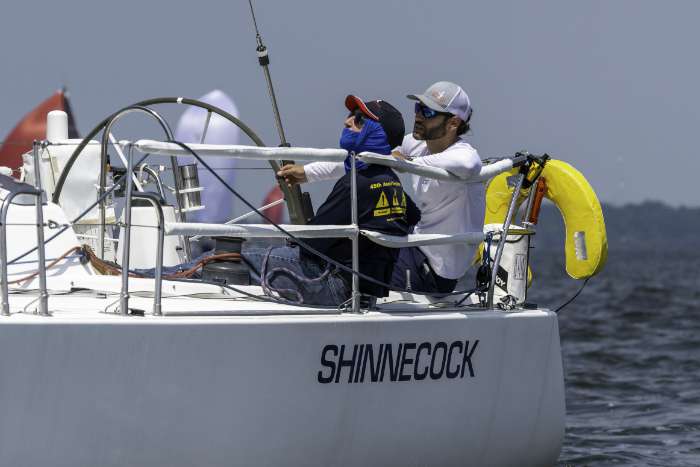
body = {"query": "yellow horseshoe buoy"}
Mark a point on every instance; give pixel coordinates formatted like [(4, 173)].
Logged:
[(586, 245)]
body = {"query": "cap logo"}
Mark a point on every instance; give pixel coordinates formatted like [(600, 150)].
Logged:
[(439, 96)]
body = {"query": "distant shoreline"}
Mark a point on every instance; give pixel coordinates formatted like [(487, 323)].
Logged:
[(649, 225)]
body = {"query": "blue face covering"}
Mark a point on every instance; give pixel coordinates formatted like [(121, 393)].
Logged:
[(371, 138)]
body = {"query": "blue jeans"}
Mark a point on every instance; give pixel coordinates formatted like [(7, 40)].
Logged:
[(423, 278), (296, 279)]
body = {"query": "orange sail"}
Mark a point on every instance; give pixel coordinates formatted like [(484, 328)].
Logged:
[(33, 127)]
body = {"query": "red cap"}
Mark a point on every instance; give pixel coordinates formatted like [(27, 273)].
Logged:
[(354, 102)]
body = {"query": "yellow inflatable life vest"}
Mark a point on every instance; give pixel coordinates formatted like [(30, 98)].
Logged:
[(586, 245)]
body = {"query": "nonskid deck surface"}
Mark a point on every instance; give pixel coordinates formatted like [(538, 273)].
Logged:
[(97, 298)]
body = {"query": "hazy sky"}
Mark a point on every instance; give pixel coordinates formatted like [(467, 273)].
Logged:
[(609, 86)]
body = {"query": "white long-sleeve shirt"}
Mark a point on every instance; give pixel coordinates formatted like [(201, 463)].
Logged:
[(318, 171), (446, 207)]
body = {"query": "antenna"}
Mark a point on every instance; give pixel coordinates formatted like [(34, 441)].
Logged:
[(264, 61), (298, 203)]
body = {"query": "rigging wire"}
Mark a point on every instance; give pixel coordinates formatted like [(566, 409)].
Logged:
[(561, 307), (255, 23)]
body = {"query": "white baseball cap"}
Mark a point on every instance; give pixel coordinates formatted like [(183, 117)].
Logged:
[(445, 96)]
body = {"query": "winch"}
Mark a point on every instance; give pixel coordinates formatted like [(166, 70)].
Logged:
[(230, 271)]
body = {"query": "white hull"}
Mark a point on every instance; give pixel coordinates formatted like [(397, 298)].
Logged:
[(86, 389)]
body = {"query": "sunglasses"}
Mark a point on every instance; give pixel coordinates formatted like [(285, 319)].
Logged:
[(427, 112), (359, 117)]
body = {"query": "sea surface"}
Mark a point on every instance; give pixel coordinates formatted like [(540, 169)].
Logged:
[(631, 355)]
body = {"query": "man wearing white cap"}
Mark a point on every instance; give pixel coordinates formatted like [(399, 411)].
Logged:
[(442, 115)]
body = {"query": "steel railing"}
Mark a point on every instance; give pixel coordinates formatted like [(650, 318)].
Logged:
[(15, 188)]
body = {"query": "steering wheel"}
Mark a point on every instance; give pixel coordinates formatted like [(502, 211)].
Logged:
[(292, 195)]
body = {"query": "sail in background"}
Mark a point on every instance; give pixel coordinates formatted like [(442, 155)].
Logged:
[(217, 200), (33, 127)]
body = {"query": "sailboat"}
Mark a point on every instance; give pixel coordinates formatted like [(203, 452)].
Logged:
[(115, 370), (105, 366)]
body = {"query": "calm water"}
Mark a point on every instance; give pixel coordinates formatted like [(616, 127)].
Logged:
[(631, 353)]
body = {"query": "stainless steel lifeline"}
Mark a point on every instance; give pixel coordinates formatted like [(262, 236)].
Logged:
[(355, 298), (173, 161), (126, 241), (124, 300), (355, 237), (43, 294), (158, 293), (504, 236), (15, 188), (126, 245), (154, 175)]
